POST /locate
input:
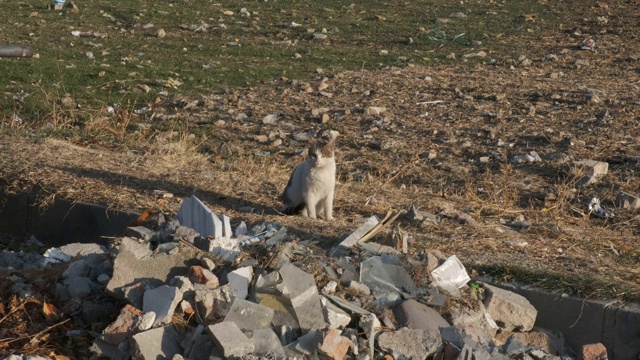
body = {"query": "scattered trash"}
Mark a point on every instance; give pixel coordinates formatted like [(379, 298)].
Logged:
[(451, 276), (16, 51), (526, 158), (588, 45), (597, 210)]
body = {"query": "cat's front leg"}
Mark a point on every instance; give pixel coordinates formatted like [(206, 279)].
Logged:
[(327, 204), (311, 204)]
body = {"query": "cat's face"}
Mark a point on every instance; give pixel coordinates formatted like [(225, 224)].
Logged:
[(321, 153)]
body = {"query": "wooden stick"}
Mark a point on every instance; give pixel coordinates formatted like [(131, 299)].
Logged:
[(376, 229)]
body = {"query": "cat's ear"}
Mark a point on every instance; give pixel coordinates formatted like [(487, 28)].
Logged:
[(312, 140), (329, 149)]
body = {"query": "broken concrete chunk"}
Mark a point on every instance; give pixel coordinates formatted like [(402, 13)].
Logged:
[(627, 201), (78, 287), (129, 267), (183, 284), (125, 325), (162, 301), (335, 316), (200, 275), (135, 293), (160, 343), (593, 352), (551, 342), (361, 231), (195, 214), (239, 280), (330, 343), (509, 310), (301, 289), (249, 316), (213, 304), (593, 170), (346, 305), (104, 349), (370, 324), (141, 232), (380, 277), (266, 342), (359, 288), (304, 345), (229, 339), (415, 315), (79, 250), (406, 343), (451, 276), (476, 323)]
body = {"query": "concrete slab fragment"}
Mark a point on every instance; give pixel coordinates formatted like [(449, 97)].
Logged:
[(415, 315), (229, 339), (346, 305), (129, 269), (162, 301), (627, 201), (405, 344), (330, 343), (80, 250), (159, 343), (213, 304), (239, 280), (265, 341), (335, 316), (195, 214), (301, 289), (249, 316), (381, 277), (124, 326), (512, 312), (361, 231)]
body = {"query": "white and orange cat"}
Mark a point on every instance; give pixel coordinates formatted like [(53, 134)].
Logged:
[(311, 188)]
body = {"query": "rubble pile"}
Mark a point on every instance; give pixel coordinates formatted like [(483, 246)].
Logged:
[(182, 293)]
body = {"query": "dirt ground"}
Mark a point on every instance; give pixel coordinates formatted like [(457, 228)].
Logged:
[(443, 143)]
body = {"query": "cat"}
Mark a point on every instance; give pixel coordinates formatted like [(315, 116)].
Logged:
[(311, 187)]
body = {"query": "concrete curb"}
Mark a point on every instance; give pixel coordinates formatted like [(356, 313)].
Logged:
[(586, 321)]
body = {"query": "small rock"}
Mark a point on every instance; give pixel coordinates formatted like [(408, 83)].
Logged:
[(375, 110), (161, 33), (200, 275), (359, 288), (329, 342), (330, 288), (458, 15), (593, 352), (270, 119)]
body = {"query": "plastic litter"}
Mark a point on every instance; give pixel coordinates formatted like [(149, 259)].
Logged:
[(588, 45), (54, 256), (451, 276), (597, 210)]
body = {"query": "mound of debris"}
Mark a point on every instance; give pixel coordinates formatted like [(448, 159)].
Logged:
[(194, 289)]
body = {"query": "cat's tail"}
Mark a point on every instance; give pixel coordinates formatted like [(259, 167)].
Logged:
[(293, 209)]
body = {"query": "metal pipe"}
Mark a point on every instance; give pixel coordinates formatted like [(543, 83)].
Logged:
[(16, 51)]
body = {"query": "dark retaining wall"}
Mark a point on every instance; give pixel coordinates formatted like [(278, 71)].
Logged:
[(61, 223)]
